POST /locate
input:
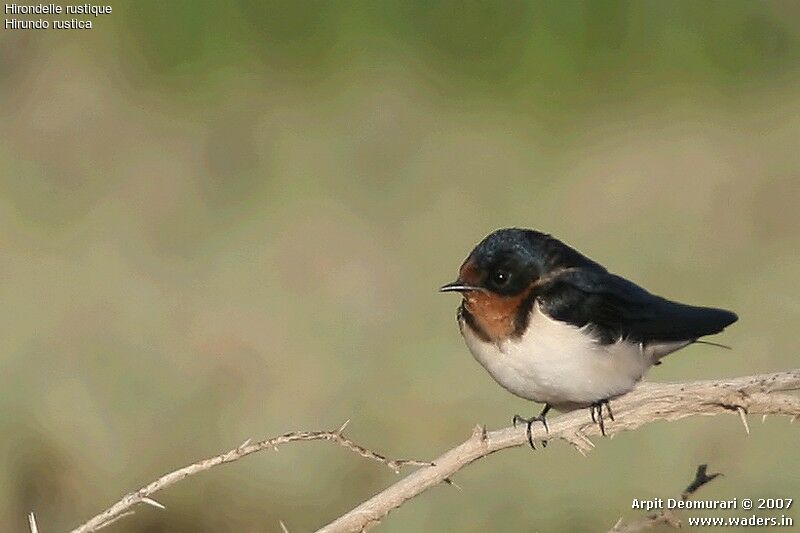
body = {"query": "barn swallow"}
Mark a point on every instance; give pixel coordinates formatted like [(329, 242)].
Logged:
[(552, 326)]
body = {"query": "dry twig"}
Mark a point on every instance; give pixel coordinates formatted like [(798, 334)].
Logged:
[(665, 516), (649, 402), (124, 506)]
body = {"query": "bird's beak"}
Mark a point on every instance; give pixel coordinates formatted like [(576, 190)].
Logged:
[(458, 286)]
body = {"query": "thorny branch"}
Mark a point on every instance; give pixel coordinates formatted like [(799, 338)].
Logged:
[(125, 505), (700, 478), (665, 516), (649, 402)]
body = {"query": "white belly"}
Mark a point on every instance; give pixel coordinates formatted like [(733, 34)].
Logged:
[(560, 364)]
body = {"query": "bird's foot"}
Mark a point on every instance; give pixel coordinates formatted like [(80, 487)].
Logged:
[(596, 410), (542, 417)]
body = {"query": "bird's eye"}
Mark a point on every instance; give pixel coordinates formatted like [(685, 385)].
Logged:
[(500, 277)]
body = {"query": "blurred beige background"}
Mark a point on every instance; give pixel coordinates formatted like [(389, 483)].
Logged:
[(223, 221)]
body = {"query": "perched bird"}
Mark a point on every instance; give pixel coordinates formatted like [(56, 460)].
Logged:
[(553, 326)]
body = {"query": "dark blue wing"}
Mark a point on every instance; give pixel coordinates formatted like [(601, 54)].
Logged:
[(616, 307)]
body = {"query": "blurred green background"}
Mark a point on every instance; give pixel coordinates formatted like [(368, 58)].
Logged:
[(228, 220)]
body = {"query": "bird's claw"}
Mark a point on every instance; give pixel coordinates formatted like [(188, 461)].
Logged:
[(528, 423), (596, 410)]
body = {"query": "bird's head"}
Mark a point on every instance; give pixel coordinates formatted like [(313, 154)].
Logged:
[(504, 264), (496, 279)]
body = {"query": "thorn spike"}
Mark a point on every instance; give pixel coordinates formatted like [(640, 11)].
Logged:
[(151, 501), (743, 418)]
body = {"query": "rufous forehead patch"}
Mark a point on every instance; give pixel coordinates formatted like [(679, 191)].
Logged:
[(469, 273)]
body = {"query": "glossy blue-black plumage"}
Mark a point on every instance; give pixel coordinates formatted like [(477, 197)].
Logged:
[(572, 288), (617, 308)]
